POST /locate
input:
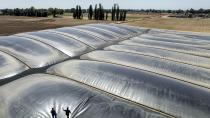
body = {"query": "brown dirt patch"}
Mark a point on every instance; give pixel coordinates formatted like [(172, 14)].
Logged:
[(13, 24)]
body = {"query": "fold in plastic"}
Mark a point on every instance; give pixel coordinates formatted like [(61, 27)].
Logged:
[(165, 94), (9, 66), (34, 96), (33, 53)]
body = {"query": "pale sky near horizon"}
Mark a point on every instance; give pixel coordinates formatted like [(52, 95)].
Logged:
[(124, 4)]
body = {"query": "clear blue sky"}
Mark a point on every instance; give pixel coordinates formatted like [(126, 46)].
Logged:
[(132, 4)]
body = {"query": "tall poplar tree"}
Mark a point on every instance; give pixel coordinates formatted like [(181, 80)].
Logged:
[(90, 12)]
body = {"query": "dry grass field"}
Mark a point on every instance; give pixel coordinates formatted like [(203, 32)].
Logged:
[(164, 22), (13, 24)]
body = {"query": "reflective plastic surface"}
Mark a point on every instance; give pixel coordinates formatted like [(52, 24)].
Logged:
[(177, 37), (86, 38), (112, 29), (137, 29), (9, 66), (67, 45), (166, 34), (125, 29), (191, 35), (168, 46), (194, 43), (37, 94), (129, 28), (34, 53), (160, 72), (192, 74), (159, 92), (111, 32), (164, 54), (196, 36), (108, 36)]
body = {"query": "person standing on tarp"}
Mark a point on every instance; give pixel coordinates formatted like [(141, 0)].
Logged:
[(53, 113), (67, 111)]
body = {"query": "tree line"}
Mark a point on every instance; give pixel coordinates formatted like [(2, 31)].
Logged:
[(178, 11), (77, 13), (118, 14), (33, 12), (99, 13)]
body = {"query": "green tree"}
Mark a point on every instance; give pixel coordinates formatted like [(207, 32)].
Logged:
[(100, 14), (117, 13), (90, 12), (74, 14), (107, 15), (77, 12), (124, 15), (192, 11), (80, 13), (96, 12), (112, 13), (54, 12), (121, 16), (50, 11)]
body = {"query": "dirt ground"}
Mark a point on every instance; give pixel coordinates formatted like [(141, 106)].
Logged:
[(164, 22), (13, 24)]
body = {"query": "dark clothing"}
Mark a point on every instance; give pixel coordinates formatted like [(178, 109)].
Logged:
[(53, 113), (67, 111)]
